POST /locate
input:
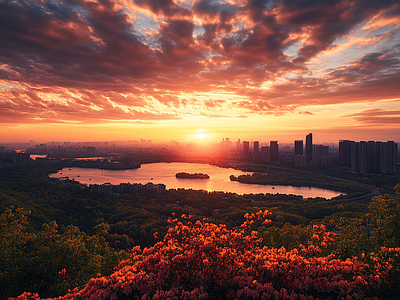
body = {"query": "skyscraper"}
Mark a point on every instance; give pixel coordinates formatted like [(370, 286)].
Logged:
[(246, 148), (256, 147), (298, 147), (345, 153), (309, 146), (274, 150)]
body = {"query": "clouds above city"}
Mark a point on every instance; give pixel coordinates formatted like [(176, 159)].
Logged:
[(88, 61)]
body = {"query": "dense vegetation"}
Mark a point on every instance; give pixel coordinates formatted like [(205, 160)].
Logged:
[(55, 236)]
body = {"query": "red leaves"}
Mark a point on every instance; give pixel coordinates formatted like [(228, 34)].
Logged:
[(62, 272), (204, 260)]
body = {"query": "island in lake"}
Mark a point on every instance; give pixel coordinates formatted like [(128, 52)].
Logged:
[(192, 175)]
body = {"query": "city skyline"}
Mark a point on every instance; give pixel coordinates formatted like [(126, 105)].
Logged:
[(199, 70)]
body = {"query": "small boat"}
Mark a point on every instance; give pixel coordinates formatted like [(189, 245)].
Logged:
[(273, 188)]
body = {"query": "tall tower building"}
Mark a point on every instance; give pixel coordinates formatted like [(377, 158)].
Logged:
[(345, 153), (274, 150), (298, 147), (309, 146), (256, 147), (362, 157), (246, 145), (238, 146), (388, 159)]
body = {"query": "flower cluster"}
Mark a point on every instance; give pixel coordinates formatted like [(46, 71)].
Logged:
[(202, 260)]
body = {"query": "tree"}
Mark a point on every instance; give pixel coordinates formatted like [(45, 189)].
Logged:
[(384, 212), (51, 260)]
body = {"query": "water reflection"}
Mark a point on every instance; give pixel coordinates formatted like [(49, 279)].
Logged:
[(165, 173)]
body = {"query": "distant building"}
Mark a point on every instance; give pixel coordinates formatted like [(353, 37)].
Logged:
[(161, 188), (320, 150), (14, 157), (256, 146), (105, 189), (238, 146), (309, 147), (265, 154), (274, 150), (298, 147), (345, 153), (246, 147), (301, 160), (368, 157), (91, 150)]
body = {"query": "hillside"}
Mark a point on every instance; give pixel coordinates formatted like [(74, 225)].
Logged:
[(57, 236)]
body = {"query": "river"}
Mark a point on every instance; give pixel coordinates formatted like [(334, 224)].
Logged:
[(165, 173)]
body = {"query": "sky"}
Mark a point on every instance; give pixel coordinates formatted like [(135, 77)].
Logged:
[(187, 70)]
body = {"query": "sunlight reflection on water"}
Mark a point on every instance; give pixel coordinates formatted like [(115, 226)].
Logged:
[(165, 173)]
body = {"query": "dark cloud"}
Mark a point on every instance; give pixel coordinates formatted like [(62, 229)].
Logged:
[(92, 59), (377, 117), (369, 67), (166, 8)]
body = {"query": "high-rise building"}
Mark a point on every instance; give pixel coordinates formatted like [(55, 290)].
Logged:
[(238, 146), (354, 156), (368, 157), (361, 157), (345, 153), (265, 153), (246, 146), (256, 147), (388, 159), (300, 160), (298, 147), (309, 146), (320, 150), (274, 150)]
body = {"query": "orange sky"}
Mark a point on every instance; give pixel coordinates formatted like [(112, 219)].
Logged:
[(89, 70)]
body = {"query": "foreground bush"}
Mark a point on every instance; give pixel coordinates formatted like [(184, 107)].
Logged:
[(208, 261), (51, 259)]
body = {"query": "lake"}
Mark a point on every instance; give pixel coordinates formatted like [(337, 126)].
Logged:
[(165, 173)]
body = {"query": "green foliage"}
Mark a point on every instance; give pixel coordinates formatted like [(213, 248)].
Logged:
[(51, 260), (384, 212), (289, 236)]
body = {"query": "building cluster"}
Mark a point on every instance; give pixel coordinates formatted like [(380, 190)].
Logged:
[(362, 157), (312, 155), (109, 189), (13, 157), (308, 155), (245, 151), (368, 157)]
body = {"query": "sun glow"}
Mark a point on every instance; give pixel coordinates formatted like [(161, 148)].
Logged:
[(201, 136)]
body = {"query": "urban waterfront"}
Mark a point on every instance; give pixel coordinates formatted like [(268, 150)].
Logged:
[(165, 173)]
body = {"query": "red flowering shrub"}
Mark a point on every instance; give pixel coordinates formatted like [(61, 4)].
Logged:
[(207, 261)]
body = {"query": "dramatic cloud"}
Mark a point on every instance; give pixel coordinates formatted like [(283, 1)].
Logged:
[(80, 61), (377, 116)]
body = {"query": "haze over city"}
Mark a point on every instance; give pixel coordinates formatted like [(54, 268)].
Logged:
[(199, 70)]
